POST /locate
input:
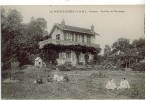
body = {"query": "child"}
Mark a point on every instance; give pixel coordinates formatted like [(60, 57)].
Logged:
[(66, 78), (110, 85), (124, 84), (49, 79), (39, 80)]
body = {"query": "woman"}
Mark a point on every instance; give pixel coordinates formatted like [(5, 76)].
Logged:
[(110, 85), (124, 84)]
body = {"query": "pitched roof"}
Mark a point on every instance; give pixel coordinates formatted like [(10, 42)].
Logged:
[(37, 58), (74, 29)]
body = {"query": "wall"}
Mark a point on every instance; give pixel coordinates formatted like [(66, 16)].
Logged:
[(57, 31), (37, 63), (62, 58)]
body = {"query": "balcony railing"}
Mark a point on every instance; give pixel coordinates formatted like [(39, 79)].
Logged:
[(65, 42)]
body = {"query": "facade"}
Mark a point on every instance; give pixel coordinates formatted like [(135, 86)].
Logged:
[(62, 34)]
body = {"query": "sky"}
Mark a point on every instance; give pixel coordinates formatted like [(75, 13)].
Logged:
[(111, 22)]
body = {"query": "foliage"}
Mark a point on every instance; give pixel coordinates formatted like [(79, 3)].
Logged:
[(59, 48), (107, 50), (86, 58), (140, 45), (49, 55), (139, 67), (65, 67), (79, 48), (19, 40), (97, 59), (121, 44)]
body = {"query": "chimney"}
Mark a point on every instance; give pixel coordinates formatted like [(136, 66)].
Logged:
[(92, 28), (63, 22)]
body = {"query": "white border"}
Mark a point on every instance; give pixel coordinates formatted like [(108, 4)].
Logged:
[(72, 2)]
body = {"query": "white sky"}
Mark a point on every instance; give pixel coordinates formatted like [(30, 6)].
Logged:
[(110, 25)]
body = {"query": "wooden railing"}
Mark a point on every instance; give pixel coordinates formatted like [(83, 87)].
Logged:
[(65, 42)]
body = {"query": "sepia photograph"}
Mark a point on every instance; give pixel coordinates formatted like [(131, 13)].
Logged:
[(73, 52)]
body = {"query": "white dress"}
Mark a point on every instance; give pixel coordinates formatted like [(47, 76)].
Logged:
[(56, 77), (110, 85), (124, 84)]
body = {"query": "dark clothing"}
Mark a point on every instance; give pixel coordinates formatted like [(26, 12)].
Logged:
[(66, 79), (39, 81)]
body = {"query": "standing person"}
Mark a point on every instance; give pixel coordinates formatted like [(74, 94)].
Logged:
[(124, 84), (111, 85)]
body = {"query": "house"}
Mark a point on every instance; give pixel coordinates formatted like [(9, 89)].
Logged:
[(72, 37), (38, 62)]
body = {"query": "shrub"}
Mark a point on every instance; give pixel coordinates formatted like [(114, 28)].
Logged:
[(139, 67), (65, 67)]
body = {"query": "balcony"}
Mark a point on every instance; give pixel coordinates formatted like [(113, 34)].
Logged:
[(65, 42)]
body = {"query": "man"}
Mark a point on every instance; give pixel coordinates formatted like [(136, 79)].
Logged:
[(110, 85), (124, 84)]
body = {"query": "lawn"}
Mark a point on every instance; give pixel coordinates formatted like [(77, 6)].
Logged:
[(81, 85)]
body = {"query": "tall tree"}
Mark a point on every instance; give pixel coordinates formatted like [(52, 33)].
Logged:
[(121, 44), (11, 27)]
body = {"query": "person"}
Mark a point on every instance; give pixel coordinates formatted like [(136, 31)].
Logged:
[(124, 84), (65, 78), (111, 85), (55, 77), (49, 79), (39, 80)]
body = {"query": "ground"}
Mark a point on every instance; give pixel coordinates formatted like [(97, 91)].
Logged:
[(82, 85)]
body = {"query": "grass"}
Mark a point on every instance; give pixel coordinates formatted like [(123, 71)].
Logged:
[(80, 86)]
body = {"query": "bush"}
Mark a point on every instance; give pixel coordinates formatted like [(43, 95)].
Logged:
[(65, 67), (6, 65), (139, 67)]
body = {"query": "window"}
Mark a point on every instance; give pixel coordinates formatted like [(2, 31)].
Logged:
[(68, 36), (76, 37), (72, 36), (79, 38), (83, 38), (68, 55), (88, 39), (58, 37)]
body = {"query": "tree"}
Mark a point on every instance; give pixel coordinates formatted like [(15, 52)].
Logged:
[(107, 50), (139, 44), (11, 28), (121, 44)]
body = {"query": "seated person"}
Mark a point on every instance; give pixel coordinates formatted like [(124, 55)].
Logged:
[(124, 84), (65, 78), (60, 78), (49, 79), (56, 77), (110, 85), (39, 80)]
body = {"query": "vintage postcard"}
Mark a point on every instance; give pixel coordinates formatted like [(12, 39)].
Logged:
[(73, 52)]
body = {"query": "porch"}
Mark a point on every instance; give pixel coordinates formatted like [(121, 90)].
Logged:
[(73, 58), (65, 42)]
